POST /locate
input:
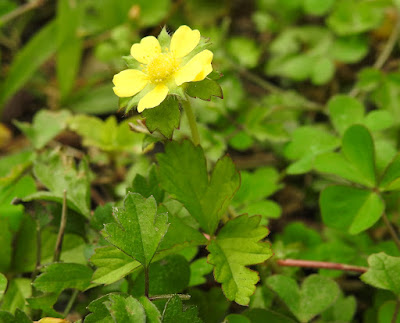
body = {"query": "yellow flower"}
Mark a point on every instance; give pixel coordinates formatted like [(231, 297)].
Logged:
[(162, 70)]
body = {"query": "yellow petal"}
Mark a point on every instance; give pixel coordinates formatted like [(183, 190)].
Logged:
[(146, 49), (153, 98), (196, 69), (184, 40), (129, 82)]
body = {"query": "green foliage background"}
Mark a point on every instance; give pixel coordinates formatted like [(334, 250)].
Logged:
[(155, 229)]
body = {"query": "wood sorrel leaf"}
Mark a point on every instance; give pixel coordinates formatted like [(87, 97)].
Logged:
[(345, 111), (316, 294), (383, 272), (391, 177), (350, 208), (174, 312), (183, 173), (238, 245), (139, 229)]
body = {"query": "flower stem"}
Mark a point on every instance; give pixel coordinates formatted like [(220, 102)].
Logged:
[(319, 265), (166, 296), (71, 302), (60, 236), (192, 121), (146, 281)]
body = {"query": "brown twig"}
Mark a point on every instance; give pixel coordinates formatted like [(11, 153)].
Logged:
[(319, 265), (63, 223), (392, 232), (21, 10)]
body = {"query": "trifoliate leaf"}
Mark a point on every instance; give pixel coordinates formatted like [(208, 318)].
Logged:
[(139, 229), (345, 111), (391, 177), (112, 265), (183, 173), (165, 118), (383, 272), (238, 245), (316, 294), (59, 276), (175, 312), (350, 208), (45, 126), (204, 90)]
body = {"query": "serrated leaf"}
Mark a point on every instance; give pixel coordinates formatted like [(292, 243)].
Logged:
[(128, 309), (153, 315), (198, 269), (238, 245), (259, 315), (345, 111), (18, 290), (204, 89), (44, 303), (175, 312), (316, 294), (112, 265), (59, 276), (383, 272), (183, 174), (59, 174), (139, 229), (45, 126), (165, 118), (350, 208)]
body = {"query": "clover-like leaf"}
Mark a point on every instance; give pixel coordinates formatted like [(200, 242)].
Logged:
[(139, 229), (238, 245), (383, 272), (350, 208), (183, 173), (316, 294)]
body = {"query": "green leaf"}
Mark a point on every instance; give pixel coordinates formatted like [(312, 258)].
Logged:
[(316, 294), (152, 313), (245, 51), (148, 186), (236, 318), (118, 308), (316, 7), (323, 71), (169, 275), (342, 311), (353, 17), (128, 309), (308, 142), (101, 216), (183, 174), (349, 208), (386, 312), (165, 118), (391, 177), (175, 312), (383, 272), (45, 126), (70, 46), (345, 111), (139, 229), (258, 315), (3, 285), (112, 265), (198, 269), (6, 241), (18, 290), (44, 303), (106, 135), (243, 232), (28, 60), (349, 49), (59, 276), (204, 89), (59, 174), (379, 120)]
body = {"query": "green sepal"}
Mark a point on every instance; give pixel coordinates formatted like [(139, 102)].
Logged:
[(164, 38), (131, 62), (204, 90), (165, 118)]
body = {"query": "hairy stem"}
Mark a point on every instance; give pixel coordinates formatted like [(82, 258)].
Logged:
[(192, 121), (166, 296), (38, 250), (320, 265), (60, 236), (146, 281), (392, 232), (71, 302)]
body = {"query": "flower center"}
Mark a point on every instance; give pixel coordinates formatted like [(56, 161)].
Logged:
[(161, 68)]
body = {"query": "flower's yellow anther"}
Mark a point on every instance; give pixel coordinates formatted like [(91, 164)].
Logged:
[(161, 68)]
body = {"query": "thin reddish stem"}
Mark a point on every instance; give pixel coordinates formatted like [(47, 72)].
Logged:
[(320, 265)]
